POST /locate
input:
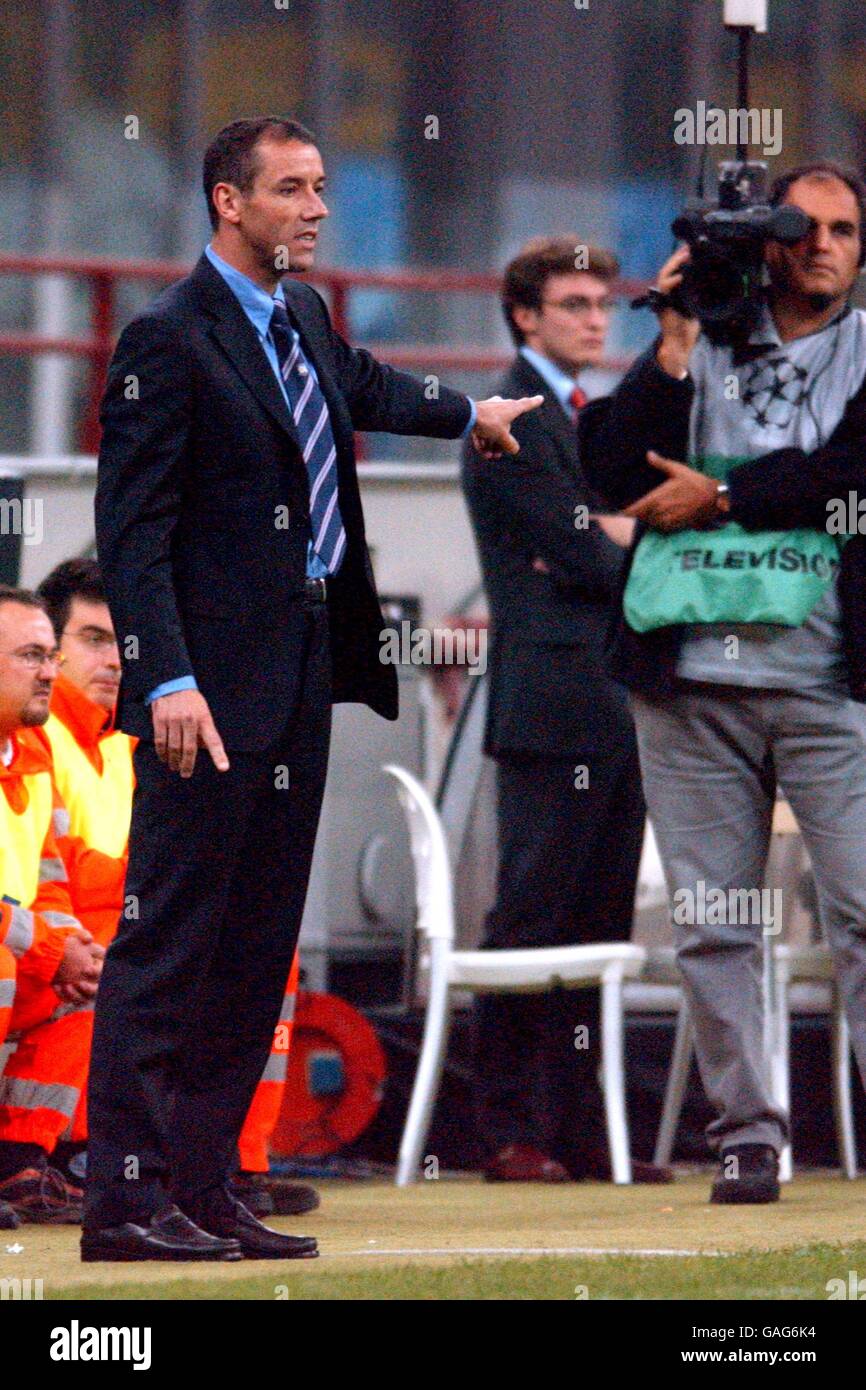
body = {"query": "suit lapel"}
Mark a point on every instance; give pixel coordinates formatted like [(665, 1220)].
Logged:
[(528, 382), (237, 338)]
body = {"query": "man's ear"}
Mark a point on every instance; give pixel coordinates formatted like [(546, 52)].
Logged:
[(525, 318)]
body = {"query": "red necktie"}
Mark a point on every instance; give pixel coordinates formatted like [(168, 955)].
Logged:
[(578, 398)]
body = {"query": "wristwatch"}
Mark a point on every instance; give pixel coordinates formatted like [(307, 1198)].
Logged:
[(723, 497)]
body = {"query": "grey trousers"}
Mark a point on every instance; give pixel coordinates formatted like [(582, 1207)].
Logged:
[(711, 758)]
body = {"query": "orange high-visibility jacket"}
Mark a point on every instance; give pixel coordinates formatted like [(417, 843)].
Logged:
[(92, 768), (43, 867), (94, 776)]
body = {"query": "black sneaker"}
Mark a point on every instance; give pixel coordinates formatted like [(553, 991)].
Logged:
[(748, 1174), (8, 1220)]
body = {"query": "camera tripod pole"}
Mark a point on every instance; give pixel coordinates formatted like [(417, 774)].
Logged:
[(743, 18), (744, 34)]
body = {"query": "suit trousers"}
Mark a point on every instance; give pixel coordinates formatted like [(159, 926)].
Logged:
[(568, 863), (193, 984)]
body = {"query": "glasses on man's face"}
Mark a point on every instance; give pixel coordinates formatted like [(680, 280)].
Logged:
[(94, 638), (579, 304), (34, 657)]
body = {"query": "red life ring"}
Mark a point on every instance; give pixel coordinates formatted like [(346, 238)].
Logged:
[(334, 1042)]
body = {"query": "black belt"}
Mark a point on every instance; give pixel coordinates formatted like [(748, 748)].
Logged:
[(316, 590)]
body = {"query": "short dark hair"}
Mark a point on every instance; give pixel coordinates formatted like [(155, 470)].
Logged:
[(825, 169), (526, 275), (231, 155), (26, 597), (71, 579)]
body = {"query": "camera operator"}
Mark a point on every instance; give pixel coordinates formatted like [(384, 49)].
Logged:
[(726, 709)]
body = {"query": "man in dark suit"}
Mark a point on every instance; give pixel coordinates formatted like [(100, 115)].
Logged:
[(231, 541), (570, 808)]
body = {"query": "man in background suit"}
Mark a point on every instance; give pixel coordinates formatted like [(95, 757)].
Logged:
[(232, 546), (570, 807)]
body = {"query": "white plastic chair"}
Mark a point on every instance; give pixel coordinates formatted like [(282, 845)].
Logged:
[(792, 963), (499, 972), (784, 964)]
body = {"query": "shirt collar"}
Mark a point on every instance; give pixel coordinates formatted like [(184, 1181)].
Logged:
[(256, 303), (765, 333), (560, 383), (31, 753)]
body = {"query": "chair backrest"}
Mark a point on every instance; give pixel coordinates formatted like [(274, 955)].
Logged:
[(433, 888)]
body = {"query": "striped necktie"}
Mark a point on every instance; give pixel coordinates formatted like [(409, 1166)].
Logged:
[(313, 424)]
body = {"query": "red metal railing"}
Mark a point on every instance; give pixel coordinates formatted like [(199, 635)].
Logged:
[(102, 276)]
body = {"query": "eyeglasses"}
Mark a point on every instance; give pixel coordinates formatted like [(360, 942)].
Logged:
[(579, 304), (34, 657), (94, 638)]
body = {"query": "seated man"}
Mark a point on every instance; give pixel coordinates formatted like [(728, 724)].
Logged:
[(94, 776), (49, 962)]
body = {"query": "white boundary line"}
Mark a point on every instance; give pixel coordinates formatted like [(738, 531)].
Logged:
[(516, 1250)]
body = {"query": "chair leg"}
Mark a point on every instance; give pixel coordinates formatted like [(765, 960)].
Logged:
[(613, 1073), (427, 1078), (675, 1090), (845, 1138), (780, 1065)]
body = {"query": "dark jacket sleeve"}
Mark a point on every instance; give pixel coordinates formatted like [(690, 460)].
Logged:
[(381, 398), (537, 502), (648, 410), (789, 487), (145, 419)]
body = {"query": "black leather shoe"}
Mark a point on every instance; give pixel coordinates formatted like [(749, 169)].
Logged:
[(273, 1196), (748, 1174), (8, 1220), (171, 1236), (225, 1216), (292, 1198), (252, 1190)]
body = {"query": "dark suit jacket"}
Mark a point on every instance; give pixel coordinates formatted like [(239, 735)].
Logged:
[(202, 507), (549, 691)]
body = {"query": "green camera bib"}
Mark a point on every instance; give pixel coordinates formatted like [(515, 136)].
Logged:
[(727, 574)]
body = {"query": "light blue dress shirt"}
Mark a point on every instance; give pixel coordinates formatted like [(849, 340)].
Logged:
[(258, 306), (560, 383)]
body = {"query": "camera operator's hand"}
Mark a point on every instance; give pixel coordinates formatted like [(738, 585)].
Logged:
[(685, 498), (679, 333)]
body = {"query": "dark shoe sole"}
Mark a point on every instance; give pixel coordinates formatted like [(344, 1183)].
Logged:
[(27, 1217), (8, 1219), (542, 1182), (283, 1255), (735, 1192), (94, 1253)]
